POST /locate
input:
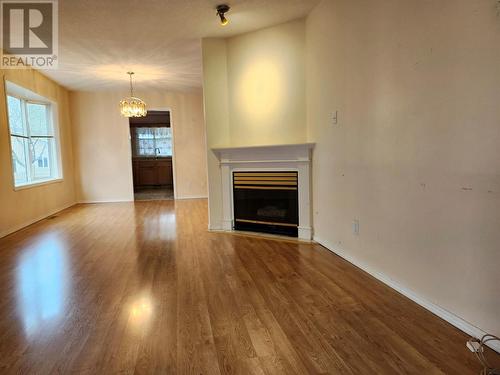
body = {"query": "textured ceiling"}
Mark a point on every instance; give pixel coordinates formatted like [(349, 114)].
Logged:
[(100, 40)]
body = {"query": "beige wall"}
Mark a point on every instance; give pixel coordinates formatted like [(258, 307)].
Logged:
[(215, 98), (266, 86), (415, 156), (254, 94), (23, 207), (102, 144)]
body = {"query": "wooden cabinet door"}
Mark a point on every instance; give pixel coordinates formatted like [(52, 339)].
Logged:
[(135, 172), (165, 172), (148, 173), (153, 172)]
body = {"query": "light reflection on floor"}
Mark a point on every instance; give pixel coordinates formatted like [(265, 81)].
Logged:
[(140, 313), (42, 284), (162, 227)]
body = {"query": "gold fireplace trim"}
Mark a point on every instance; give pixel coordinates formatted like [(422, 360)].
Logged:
[(266, 222), (285, 183), (265, 180), (265, 187), (265, 174)]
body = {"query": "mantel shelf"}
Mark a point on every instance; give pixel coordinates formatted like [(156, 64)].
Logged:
[(263, 147)]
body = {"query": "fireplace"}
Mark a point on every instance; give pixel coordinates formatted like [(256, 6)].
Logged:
[(253, 197), (266, 201)]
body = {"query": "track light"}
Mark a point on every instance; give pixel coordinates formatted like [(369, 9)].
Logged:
[(221, 11)]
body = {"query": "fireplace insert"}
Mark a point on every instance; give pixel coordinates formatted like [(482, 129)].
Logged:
[(266, 201)]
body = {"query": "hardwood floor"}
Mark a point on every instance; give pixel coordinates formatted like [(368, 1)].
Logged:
[(145, 288)]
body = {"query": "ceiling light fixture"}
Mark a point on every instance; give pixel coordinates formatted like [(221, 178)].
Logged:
[(132, 106), (221, 11)]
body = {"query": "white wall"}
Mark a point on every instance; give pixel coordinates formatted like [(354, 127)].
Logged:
[(23, 207), (254, 93), (102, 144), (415, 156)]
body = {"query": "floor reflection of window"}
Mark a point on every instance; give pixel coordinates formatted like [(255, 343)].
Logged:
[(41, 282)]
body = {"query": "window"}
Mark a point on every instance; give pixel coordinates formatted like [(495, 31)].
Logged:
[(152, 141), (32, 139)]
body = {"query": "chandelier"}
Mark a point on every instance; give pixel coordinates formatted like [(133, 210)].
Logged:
[(132, 106)]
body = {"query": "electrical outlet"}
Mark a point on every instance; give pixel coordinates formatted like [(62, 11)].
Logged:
[(474, 346), (355, 227)]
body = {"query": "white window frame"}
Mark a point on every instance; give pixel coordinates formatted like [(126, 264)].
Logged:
[(28, 97)]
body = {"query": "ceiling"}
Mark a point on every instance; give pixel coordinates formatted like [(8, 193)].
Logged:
[(160, 40)]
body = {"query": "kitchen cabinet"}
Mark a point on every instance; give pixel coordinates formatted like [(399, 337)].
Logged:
[(149, 172)]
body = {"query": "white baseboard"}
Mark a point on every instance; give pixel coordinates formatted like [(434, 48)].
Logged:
[(215, 225), (192, 197), (215, 229), (34, 220), (444, 314), (105, 201), (227, 225), (129, 200), (305, 233)]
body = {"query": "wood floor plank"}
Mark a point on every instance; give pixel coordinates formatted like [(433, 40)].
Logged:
[(144, 288)]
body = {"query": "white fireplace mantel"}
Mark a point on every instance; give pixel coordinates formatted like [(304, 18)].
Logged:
[(288, 157)]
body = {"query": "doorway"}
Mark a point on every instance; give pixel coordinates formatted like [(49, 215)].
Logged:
[(151, 142)]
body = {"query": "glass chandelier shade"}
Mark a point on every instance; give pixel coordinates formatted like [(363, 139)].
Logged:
[(132, 106)]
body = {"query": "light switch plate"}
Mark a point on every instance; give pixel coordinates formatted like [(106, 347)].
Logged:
[(355, 227), (335, 117)]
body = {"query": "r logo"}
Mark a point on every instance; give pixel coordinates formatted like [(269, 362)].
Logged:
[(28, 27)]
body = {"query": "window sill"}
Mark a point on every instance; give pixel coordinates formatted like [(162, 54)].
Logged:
[(36, 184)]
